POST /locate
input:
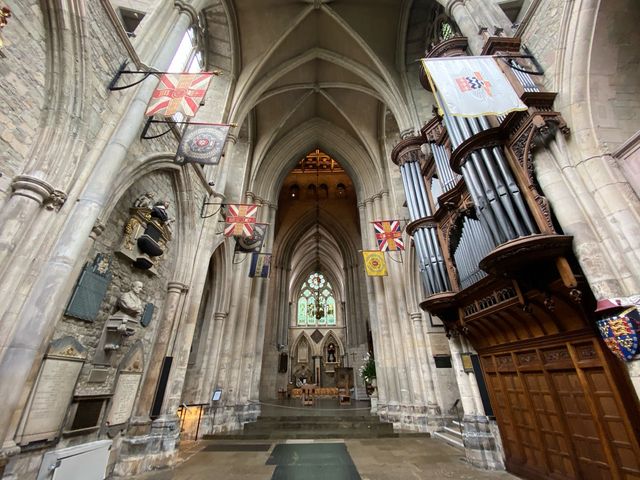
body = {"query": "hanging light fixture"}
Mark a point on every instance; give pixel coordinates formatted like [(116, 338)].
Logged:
[(319, 307)]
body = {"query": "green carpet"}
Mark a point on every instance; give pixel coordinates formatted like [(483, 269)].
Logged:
[(312, 461)]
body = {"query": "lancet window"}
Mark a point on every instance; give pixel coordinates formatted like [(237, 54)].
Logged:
[(316, 303)]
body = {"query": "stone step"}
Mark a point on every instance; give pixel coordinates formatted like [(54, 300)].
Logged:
[(318, 418), (294, 434), (258, 427), (452, 440), (454, 432)]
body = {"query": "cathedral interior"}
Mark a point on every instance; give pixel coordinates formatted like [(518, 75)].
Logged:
[(272, 239)]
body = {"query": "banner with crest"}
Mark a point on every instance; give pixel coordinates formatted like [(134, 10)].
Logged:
[(374, 263), (202, 143), (240, 220), (179, 93), (388, 235)]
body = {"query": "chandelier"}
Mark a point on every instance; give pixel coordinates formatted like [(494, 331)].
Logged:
[(319, 305)]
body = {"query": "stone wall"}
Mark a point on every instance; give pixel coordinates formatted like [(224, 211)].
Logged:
[(89, 333)]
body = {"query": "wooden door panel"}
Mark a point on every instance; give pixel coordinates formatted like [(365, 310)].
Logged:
[(555, 443), (614, 422)]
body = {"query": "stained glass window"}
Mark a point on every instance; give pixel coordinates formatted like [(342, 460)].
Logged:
[(316, 292)]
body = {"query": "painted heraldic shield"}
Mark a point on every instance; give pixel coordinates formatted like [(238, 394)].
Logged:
[(388, 235), (620, 333), (240, 220), (472, 86), (178, 93), (375, 263), (202, 144)]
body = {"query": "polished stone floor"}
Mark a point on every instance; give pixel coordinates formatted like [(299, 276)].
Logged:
[(362, 459)]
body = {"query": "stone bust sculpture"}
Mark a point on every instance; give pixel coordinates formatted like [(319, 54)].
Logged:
[(129, 303)]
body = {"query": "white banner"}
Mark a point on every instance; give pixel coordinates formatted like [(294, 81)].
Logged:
[(472, 86)]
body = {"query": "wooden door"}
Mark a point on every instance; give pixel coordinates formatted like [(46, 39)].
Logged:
[(564, 412)]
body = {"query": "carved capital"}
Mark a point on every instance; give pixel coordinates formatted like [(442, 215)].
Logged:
[(177, 287), (32, 187), (55, 200), (97, 229), (184, 7)]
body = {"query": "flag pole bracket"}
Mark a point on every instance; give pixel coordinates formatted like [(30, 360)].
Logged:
[(145, 130), (206, 204), (123, 71)]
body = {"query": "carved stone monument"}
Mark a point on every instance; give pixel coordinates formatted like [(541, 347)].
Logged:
[(124, 322), (127, 384), (53, 392), (147, 232)]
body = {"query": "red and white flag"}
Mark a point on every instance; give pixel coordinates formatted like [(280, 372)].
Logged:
[(240, 220), (388, 235), (178, 93)]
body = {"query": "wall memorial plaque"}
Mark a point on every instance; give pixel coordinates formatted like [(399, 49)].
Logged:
[(124, 398), (90, 290), (53, 391)]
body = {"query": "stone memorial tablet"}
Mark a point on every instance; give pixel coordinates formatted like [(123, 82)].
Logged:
[(90, 290), (124, 398), (49, 403)]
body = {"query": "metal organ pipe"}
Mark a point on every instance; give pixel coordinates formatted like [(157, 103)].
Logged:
[(423, 251)]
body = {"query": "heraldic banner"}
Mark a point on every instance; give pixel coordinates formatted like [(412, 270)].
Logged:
[(471, 86), (388, 235), (375, 263), (202, 144), (178, 93), (252, 243), (240, 220), (260, 265)]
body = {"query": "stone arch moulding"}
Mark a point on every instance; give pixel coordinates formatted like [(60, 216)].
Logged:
[(296, 344), (185, 208), (266, 179), (329, 337)]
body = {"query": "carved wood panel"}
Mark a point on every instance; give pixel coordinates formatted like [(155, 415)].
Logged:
[(562, 412)]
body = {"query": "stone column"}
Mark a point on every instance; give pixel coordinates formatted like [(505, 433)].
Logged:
[(480, 443), (317, 370), (387, 380), (434, 412), (459, 11), (263, 311), (36, 321), (176, 292)]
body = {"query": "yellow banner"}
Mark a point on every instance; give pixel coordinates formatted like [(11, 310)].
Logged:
[(375, 263)]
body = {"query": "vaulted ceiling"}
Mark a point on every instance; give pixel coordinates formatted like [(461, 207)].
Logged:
[(334, 64)]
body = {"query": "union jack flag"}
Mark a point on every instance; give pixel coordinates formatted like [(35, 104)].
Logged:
[(178, 93), (240, 220), (388, 235)]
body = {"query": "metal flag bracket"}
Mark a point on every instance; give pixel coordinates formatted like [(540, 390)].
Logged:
[(123, 71), (205, 204), (146, 73)]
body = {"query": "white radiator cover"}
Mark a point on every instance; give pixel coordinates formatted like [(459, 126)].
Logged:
[(81, 462)]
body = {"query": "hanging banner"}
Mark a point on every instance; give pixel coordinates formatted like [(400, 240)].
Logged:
[(252, 243), (472, 86), (620, 333), (178, 93), (202, 144), (240, 220), (260, 265), (374, 263), (388, 235)]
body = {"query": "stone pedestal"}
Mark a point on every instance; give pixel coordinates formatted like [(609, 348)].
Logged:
[(374, 404), (151, 451), (482, 447)]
